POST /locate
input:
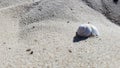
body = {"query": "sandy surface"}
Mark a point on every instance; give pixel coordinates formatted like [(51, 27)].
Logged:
[(42, 35), (109, 8)]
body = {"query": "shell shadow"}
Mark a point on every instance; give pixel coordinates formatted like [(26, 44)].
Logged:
[(79, 38)]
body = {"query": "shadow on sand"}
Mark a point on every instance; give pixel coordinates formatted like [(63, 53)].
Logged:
[(79, 38)]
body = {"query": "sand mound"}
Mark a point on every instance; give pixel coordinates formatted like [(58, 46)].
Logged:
[(42, 35)]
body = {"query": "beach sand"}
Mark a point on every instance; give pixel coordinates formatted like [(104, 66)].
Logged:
[(42, 35)]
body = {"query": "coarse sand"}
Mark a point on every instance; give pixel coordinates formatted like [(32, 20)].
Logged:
[(42, 35)]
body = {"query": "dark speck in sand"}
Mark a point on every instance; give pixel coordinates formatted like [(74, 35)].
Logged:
[(4, 42), (39, 9), (100, 39), (28, 50), (36, 3), (53, 15), (97, 37), (35, 40), (48, 67), (70, 51), (33, 27), (44, 48), (68, 21), (9, 48), (71, 9), (56, 60), (57, 48), (88, 22), (31, 52)]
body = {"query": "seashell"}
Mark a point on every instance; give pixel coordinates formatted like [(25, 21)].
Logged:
[(86, 30)]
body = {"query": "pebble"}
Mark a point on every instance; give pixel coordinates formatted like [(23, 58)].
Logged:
[(70, 51), (28, 50), (31, 52)]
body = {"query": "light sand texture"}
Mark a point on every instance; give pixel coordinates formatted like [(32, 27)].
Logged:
[(48, 28), (7, 3)]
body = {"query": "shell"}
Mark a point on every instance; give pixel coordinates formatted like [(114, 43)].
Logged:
[(87, 30)]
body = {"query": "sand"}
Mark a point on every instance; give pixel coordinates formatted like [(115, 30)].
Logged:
[(110, 8), (42, 35)]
